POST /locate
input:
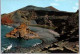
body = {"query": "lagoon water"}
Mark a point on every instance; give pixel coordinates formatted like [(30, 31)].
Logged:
[(46, 35), (5, 42)]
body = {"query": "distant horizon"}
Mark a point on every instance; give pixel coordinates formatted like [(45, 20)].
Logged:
[(62, 5)]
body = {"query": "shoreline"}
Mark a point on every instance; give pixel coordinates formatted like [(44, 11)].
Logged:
[(42, 42), (67, 46)]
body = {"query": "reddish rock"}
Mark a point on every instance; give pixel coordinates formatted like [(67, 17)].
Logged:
[(23, 32), (6, 20)]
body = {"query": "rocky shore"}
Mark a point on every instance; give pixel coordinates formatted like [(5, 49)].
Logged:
[(22, 32), (67, 44), (63, 39)]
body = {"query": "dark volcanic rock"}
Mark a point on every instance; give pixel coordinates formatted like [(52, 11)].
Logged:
[(67, 24), (36, 13), (52, 8)]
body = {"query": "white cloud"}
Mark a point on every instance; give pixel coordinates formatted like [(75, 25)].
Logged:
[(77, 4), (75, 8), (54, 4)]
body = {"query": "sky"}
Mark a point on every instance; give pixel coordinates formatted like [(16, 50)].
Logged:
[(8, 6)]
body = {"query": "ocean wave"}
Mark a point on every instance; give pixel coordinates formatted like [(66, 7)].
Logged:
[(10, 27), (8, 48), (36, 44), (3, 49)]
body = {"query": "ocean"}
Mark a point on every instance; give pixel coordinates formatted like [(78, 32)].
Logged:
[(5, 42)]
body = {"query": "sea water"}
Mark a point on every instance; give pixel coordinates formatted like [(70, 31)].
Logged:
[(5, 42)]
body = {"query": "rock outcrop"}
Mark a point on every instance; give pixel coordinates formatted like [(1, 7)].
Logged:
[(66, 23), (6, 20), (28, 13), (22, 32)]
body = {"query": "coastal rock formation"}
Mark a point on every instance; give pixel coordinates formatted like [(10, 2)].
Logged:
[(22, 32), (6, 20), (66, 23), (28, 13)]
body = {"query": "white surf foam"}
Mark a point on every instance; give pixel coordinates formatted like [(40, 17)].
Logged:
[(36, 44), (10, 27), (8, 48)]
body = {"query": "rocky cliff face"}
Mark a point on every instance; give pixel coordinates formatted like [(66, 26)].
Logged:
[(66, 23), (74, 19), (24, 15), (6, 20)]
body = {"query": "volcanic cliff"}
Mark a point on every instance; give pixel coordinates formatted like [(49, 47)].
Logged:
[(40, 15), (65, 23)]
